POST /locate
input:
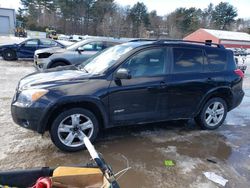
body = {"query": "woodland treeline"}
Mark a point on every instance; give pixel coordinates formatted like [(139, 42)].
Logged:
[(107, 18)]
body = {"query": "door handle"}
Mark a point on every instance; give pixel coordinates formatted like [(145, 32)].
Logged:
[(163, 85), (210, 80)]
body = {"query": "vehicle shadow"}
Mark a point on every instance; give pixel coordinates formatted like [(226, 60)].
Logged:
[(178, 126)]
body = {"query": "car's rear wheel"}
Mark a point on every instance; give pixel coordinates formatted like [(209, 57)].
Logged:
[(58, 64), (213, 114), (68, 128), (9, 55)]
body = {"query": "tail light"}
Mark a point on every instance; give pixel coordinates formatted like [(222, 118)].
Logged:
[(239, 73)]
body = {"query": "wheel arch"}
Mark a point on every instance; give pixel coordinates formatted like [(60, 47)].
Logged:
[(224, 92), (58, 60), (93, 105)]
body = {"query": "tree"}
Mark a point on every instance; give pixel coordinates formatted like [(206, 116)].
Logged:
[(183, 21), (155, 25), (100, 9), (139, 17), (36, 11), (224, 15), (206, 21)]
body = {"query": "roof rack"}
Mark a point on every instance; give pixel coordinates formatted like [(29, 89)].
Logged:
[(138, 40), (207, 42)]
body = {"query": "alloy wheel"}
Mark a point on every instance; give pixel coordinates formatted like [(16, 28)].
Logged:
[(214, 113), (72, 129)]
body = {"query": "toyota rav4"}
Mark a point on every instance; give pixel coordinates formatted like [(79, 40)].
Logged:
[(132, 83)]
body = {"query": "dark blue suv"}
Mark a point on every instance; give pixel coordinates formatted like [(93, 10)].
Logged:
[(132, 83)]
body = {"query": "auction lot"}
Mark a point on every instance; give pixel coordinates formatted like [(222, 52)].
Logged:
[(143, 147)]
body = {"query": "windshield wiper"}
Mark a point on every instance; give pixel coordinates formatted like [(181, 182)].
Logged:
[(82, 68)]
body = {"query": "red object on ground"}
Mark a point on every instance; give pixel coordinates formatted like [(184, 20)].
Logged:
[(43, 183)]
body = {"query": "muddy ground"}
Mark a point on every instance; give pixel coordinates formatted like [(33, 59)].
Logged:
[(145, 146)]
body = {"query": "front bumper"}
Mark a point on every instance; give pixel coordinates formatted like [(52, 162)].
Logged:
[(27, 117), (39, 63)]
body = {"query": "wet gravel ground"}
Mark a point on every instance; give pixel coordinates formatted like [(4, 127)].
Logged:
[(144, 147)]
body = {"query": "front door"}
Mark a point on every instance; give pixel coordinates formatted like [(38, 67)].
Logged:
[(28, 48), (137, 100)]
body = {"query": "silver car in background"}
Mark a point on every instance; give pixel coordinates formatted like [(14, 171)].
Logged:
[(72, 55)]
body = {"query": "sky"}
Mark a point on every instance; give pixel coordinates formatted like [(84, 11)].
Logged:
[(164, 7)]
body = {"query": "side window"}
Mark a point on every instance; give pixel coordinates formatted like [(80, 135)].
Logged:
[(216, 59), (31, 43), (47, 42), (187, 60), (146, 63), (93, 46)]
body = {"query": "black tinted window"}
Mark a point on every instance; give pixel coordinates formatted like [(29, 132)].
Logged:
[(146, 63), (187, 60), (216, 59)]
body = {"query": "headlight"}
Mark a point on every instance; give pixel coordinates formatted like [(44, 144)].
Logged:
[(26, 97)]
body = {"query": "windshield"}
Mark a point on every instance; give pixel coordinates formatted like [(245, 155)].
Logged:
[(75, 45), (98, 64)]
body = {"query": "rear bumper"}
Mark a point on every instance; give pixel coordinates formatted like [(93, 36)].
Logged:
[(237, 99)]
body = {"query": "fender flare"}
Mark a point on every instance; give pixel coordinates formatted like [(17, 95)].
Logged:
[(72, 101), (215, 91), (58, 60)]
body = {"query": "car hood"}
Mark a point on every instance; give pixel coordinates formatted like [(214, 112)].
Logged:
[(8, 45), (50, 50), (52, 77)]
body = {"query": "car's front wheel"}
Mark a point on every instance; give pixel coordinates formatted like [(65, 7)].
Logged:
[(9, 55), (213, 114), (69, 127)]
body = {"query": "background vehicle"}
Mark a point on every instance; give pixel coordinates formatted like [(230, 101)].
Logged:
[(132, 83), (51, 33), (27, 48), (240, 58), (72, 55), (20, 29)]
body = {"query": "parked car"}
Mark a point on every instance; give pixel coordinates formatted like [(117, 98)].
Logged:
[(27, 48), (72, 55), (241, 62), (240, 56), (131, 83)]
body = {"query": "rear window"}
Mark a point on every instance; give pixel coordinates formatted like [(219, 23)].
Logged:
[(187, 60), (216, 59)]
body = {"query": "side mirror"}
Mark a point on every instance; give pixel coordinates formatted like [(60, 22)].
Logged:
[(80, 49), (122, 73)]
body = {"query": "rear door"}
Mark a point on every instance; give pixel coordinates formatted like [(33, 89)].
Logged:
[(28, 48), (138, 99), (187, 82)]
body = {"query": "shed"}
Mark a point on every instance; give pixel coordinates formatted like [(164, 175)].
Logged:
[(229, 39), (7, 21)]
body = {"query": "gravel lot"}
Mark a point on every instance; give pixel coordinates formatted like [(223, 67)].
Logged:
[(145, 147)]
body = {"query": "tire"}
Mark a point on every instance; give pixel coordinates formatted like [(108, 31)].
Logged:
[(9, 55), (67, 135), (58, 64), (212, 114)]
